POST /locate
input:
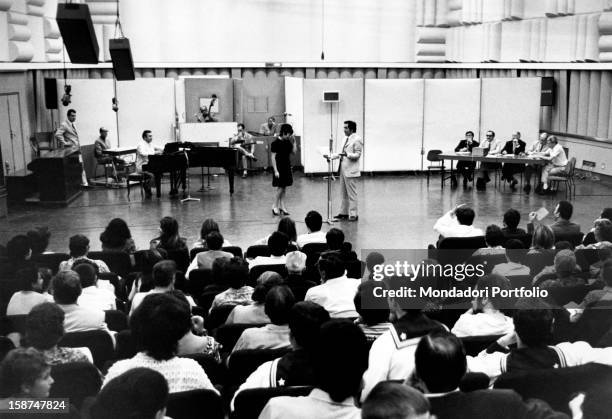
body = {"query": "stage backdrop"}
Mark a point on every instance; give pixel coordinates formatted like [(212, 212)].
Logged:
[(393, 124), (317, 118), (294, 103)]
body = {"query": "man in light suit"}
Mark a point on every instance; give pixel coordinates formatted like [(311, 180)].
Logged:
[(349, 172), (67, 136)]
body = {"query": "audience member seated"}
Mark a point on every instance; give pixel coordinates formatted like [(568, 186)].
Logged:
[(602, 235), (195, 340), (157, 326), (373, 259), (512, 218), (533, 323), (313, 221), (45, 329), (18, 255), (484, 318), (24, 373), (275, 335), (117, 237), (277, 243), (589, 238), (457, 223), (494, 238), (93, 296), (39, 240), (295, 368), (540, 254), (593, 297), (390, 400), (169, 238), (79, 247), (66, 291), (514, 254), (205, 259), (235, 274), (566, 269), (336, 292), (138, 393), (373, 313), (336, 243), (441, 364), (562, 225), (392, 354), (255, 312), (286, 226), (208, 226), (144, 279), (296, 265), (340, 358), (30, 293)]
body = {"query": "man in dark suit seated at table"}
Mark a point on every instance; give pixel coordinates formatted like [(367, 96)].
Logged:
[(514, 147), (465, 168)]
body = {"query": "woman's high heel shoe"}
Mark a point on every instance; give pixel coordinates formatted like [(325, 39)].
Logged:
[(275, 211)]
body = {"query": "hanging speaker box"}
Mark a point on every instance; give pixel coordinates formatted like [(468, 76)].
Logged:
[(74, 22), (121, 55)]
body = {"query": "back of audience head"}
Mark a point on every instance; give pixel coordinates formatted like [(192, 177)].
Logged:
[(278, 303), (330, 266), (565, 263), (19, 248), (373, 259), (490, 282), (158, 323), (287, 226), (66, 287), (512, 218), (533, 322), (440, 361), (139, 393), (295, 262), (265, 283), (305, 321), (78, 245), (370, 316), (515, 250), (88, 272), (39, 239), (25, 373), (564, 209), (603, 230), (494, 236), (465, 215), (214, 241), (235, 272), (116, 233), (389, 400), (45, 326), (149, 258), (164, 273), (169, 229), (313, 221), (543, 237), (29, 279), (277, 243), (402, 306), (208, 226), (340, 359), (334, 239)]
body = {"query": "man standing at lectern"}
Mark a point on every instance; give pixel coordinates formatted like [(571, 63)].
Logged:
[(67, 136), (349, 172)]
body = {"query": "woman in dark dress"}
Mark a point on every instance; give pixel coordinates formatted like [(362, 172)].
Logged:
[(281, 149)]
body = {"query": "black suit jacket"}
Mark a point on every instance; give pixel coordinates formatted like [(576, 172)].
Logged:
[(508, 148), (463, 144)]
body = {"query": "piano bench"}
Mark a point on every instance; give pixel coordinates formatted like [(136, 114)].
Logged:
[(132, 179)]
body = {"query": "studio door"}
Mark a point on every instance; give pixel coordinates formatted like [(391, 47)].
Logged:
[(11, 134)]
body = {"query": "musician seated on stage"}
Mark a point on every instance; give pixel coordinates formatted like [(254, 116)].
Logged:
[(243, 142), (206, 114), (270, 127), (145, 149), (102, 144)]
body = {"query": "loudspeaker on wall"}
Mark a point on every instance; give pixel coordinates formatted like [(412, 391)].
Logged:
[(50, 93)]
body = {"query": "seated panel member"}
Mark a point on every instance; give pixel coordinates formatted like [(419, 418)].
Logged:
[(270, 127), (465, 168), (145, 149), (495, 147), (539, 146), (557, 161), (514, 147), (243, 142)]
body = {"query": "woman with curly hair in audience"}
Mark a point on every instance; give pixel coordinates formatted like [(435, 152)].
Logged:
[(24, 373), (117, 237)]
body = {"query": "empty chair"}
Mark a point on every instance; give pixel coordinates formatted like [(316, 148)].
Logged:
[(436, 165), (250, 402), (195, 404), (99, 343), (75, 381)]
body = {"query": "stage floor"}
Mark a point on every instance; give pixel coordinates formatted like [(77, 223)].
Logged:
[(395, 212)]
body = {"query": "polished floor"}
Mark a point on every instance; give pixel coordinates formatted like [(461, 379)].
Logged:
[(395, 212)]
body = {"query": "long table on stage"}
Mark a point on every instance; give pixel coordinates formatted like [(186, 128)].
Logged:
[(498, 158)]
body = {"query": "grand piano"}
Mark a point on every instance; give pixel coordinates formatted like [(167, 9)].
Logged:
[(175, 162)]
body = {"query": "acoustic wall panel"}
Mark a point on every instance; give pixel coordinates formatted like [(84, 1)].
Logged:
[(317, 118), (393, 124), (451, 108), (511, 104), (294, 103)]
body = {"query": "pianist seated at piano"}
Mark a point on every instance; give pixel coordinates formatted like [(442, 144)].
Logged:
[(243, 142), (145, 149)]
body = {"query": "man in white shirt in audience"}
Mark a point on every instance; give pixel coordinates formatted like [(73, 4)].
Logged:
[(458, 223), (557, 161), (336, 293), (92, 296), (145, 149), (79, 247), (313, 221), (66, 291), (277, 243), (484, 318), (204, 260)]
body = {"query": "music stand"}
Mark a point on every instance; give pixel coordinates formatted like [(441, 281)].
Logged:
[(207, 187), (185, 148)]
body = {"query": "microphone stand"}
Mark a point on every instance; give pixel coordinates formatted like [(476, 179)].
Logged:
[(330, 167), (189, 198)]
